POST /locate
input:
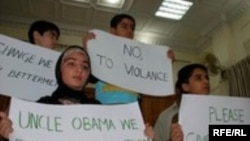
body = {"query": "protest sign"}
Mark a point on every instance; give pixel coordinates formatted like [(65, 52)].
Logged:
[(197, 112), (131, 64), (26, 70), (39, 122)]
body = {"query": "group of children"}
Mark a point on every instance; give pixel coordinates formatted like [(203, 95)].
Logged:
[(73, 72)]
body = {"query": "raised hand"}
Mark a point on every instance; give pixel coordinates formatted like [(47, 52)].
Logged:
[(176, 133), (86, 38), (5, 126)]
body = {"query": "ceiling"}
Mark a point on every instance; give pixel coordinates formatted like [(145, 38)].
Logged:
[(189, 34)]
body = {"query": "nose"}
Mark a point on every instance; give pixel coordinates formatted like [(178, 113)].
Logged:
[(79, 68), (206, 81), (54, 43), (130, 29), (130, 33)]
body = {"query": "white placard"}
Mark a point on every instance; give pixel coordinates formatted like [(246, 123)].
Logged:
[(130, 64), (39, 122), (197, 112), (26, 71)]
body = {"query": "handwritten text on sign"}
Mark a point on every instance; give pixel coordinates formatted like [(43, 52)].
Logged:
[(25, 69), (39, 122), (206, 110), (131, 64)]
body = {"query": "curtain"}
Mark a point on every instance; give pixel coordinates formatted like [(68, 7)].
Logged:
[(239, 78)]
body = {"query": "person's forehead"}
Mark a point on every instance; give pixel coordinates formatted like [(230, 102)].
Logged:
[(54, 32), (73, 53), (198, 71), (50, 32), (127, 21)]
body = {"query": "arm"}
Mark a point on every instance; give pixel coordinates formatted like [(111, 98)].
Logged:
[(163, 123), (161, 129)]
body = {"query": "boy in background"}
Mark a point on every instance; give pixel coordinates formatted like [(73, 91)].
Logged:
[(44, 34), (122, 25)]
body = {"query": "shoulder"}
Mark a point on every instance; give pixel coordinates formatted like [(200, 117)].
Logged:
[(168, 112)]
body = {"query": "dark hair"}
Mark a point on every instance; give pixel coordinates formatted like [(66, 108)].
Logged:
[(58, 72), (42, 26), (184, 74), (183, 77), (118, 18)]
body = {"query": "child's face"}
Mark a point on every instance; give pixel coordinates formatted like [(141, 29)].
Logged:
[(75, 70), (47, 40), (124, 29), (198, 82)]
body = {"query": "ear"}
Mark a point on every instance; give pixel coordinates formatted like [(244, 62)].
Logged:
[(185, 87), (36, 36)]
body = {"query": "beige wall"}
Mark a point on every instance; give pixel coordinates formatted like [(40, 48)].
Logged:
[(12, 31), (230, 43)]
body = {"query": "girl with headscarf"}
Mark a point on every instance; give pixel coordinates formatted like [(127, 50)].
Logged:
[(72, 73)]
